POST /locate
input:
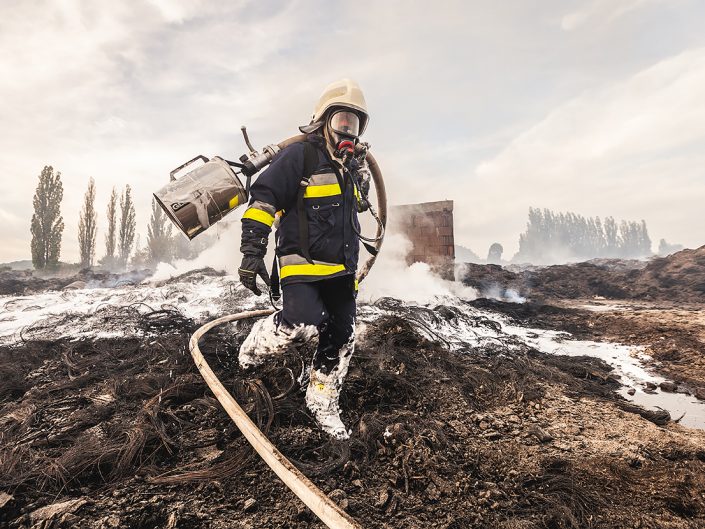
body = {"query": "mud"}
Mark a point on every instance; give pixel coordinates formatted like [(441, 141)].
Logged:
[(674, 338), (122, 432)]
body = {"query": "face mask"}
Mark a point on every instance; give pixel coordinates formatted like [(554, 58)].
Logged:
[(344, 127)]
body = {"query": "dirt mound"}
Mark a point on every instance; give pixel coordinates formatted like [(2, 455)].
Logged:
[(558, 281), (680, 276), (677, 278), (123, 433)]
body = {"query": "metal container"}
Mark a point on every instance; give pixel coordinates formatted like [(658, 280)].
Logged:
[(202, 196)]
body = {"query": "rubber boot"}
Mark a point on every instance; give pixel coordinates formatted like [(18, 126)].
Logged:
[(269, 338), (322, 400), (323, 394)]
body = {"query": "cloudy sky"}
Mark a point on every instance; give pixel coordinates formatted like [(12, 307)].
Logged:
[(593, 106)]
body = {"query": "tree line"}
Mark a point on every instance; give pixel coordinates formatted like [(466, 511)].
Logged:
[(551, 237), (121, 239)]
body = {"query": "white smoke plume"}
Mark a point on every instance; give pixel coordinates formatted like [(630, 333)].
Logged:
[(496, 291), (223, 255), (391, 276)]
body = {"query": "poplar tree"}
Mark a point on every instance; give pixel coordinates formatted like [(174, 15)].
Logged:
[(47, 223), (87, 227), (159, 239), (551, 237), (112, 223), (126, 232)]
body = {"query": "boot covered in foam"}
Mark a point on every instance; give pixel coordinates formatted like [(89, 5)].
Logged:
[(269, 338), (323, 393), (322, 400)]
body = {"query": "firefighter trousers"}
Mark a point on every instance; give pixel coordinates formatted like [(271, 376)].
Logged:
[(329, 305)]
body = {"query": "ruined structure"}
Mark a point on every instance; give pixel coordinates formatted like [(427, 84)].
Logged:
[(429, 227)]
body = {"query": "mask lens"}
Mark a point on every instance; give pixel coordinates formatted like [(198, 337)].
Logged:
[(345, 123)]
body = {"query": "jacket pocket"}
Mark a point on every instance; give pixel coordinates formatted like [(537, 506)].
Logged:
[(321, 225)]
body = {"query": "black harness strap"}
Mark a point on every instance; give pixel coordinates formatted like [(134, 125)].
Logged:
[(274, 289), (310, 164)]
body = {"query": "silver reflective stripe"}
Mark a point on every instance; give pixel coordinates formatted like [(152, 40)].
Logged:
[(295, 259), (263, 206), (323, 179)]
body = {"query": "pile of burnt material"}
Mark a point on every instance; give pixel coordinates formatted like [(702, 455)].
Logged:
[(24, 282), (122, 432), (679, 277)]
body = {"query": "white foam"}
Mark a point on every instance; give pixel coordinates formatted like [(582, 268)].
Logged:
[(447, 318), (199, 298)]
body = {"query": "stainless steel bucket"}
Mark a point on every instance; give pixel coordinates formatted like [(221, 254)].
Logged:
[(202, 196)]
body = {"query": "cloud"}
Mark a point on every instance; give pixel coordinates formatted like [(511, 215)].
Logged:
[(630, 149), (124, 92), (601, 11)]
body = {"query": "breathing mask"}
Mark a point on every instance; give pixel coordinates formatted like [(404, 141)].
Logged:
[(344, 129)]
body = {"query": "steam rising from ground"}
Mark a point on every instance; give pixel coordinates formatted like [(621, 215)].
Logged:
[(224, 254), (391, 276)]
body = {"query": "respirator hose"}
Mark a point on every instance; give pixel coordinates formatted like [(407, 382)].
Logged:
[(380, 225)]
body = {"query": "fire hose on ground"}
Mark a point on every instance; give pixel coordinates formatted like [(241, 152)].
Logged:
[(320, 504)]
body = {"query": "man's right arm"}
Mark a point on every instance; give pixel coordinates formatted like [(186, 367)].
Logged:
[(274, 189)]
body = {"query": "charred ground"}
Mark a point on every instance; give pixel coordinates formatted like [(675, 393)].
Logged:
[(123, 433), (676, 279), (657, 304)]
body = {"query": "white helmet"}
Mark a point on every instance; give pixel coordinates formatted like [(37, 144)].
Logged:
[(345, 93)]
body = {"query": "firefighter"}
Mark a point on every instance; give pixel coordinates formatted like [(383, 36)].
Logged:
[(311, 189)]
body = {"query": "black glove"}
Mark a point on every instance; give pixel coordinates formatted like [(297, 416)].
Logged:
[(251, 267)]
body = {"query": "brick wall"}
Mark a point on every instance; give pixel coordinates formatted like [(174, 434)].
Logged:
[(429, 227)]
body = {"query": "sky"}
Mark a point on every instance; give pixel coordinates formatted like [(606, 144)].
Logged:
[(591, 106)]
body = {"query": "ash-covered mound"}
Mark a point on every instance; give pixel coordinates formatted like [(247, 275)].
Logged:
[(569, 281), (26, 282), (678, 278)]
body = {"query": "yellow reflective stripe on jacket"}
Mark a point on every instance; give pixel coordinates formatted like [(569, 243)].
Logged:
[(309, 269), (327, 190), (357, 285), (259, 216)]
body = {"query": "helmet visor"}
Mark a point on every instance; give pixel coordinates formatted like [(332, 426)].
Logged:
[(345, 122)]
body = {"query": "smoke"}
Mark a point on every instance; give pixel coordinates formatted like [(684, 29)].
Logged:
[(496, 291), (223, 254), (391, 276)]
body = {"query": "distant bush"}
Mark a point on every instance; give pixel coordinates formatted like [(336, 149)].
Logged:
[(665, 248), (557, 237)]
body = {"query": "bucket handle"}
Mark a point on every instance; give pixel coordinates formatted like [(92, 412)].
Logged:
[(172, 173)]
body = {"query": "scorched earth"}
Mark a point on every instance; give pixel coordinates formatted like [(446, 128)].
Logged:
[(463, 415)]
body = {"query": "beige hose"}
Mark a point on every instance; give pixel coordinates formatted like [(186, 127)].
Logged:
[(381, 211), (323, 507)]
